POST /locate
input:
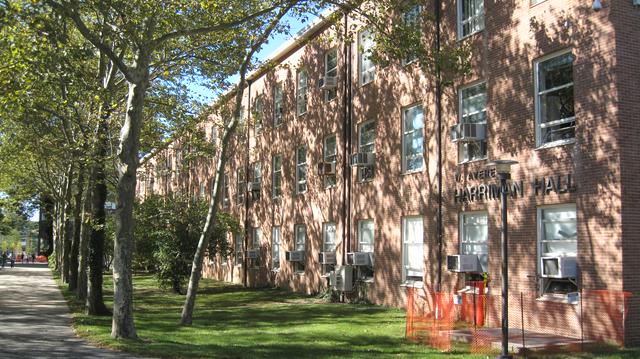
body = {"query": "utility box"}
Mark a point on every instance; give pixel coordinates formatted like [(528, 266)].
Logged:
[(341, 279)]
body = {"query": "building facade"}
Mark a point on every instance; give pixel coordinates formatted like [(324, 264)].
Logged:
[(386, 169)]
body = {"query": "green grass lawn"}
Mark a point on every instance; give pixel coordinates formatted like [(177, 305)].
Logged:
[(235, 322)]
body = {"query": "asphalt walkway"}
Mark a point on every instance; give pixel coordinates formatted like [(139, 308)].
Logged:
[(34, 318)]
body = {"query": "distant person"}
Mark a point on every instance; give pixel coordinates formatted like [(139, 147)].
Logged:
[(4, 258), (33, 257), (12, 259)]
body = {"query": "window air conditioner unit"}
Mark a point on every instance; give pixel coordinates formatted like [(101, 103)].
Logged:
[(252, 254), (341, 279), (327, 258), (253, 186), (360, 259), (558, 267), (326, 168), (295, 256), (362, 159), (328, 83), (465, 132), (464, 263)]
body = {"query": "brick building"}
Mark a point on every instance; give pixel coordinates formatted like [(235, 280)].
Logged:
[(340, 155)]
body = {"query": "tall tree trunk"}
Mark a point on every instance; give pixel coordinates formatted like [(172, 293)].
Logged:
[(67, 229), (85, 233), (77, 224), (95, 302), (122, 325)]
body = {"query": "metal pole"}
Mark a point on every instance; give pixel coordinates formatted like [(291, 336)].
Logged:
[(505, 265)]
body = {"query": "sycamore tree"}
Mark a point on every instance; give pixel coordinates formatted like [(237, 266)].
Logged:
[(164, 40)]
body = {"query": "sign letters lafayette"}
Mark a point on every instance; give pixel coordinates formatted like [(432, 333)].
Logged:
[(540, 186)]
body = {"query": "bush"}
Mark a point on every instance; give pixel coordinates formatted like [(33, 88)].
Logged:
[(167, 234)]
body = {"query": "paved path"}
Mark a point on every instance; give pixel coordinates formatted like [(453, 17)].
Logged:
[(35, 320)]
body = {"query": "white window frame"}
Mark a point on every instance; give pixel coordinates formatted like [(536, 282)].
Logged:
[(301, 170), (241, 185), (225, 192), (366, 43), (276, 235), (411, 17), (541, 240), (256, 234), (328, 157), (538, 102), (300, 245), (302, 84), (330, 72), (362, 244), (478, 16), (415, 244), (328, 245), (278, 105), (409, 133), (483, 257), (238, 248), (259, 115), (366, 174), (463, 147), (276, 179)]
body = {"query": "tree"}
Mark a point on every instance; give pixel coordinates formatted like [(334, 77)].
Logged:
[(159, 38)]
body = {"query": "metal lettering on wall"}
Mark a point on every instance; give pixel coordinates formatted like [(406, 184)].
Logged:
[(541, 186)]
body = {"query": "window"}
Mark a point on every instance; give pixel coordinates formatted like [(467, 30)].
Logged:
[(555, 115), (259, 114), (275, 248), (367, 66), (366, 144), (329, 237), (278, 108), (301, 95), (238, 248), (412, 139), (277, 176), (473, 103), (411, 18), (365, 236), (331, 70), (412, 249), (470, 17), (474, 236), (240, 188), (202, 190), (328, 243), (558, 237), (300, 245), (301, 169), (256, 234), (256, 180), (329, 156), (225, 191)]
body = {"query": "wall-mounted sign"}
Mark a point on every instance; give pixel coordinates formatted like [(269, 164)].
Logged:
[(540, 186)]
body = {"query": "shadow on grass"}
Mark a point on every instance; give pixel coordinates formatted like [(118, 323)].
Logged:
[(235, 322)]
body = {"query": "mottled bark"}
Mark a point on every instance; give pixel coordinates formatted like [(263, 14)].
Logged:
[(75, 240), (95, 302), (122, 325)]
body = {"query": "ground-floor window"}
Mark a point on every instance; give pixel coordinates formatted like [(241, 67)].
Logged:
[(328, 244), (412, 249), (300, 245), (474, 235), (256, 234), (557, 248), (366, 236), (238, 248), (275, 248)]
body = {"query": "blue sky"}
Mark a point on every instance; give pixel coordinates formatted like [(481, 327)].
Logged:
[(206, 95)]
